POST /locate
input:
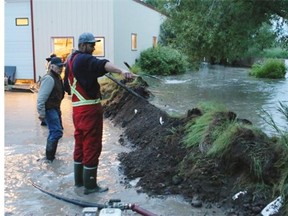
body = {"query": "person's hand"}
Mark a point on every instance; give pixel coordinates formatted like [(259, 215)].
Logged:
[(128, 75), (41, 118)]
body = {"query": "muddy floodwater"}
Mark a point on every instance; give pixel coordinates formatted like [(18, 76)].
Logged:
[(229, 86), (24, 144)]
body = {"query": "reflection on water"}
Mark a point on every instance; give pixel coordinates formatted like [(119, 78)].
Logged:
[(24, 150), (232, 87)]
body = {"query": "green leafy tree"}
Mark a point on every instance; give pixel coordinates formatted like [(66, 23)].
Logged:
[(158, 4), (222, 28), (167, 35), (162, 5)]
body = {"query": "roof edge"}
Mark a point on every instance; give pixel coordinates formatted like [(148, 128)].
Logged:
[(149, 6)]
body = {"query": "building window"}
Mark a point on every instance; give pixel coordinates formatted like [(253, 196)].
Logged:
[(22, 21), (99, 47), (154, 41), (62, 46), (134, 41)]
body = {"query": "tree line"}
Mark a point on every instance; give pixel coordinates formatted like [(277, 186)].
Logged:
[(223, 30)]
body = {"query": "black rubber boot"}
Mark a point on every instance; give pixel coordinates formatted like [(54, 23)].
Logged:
[(90, 181), (43, 123), (51, 148), (78, 174)]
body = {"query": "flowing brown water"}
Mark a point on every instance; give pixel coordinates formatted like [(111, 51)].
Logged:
[(24, 146), (233, 87)]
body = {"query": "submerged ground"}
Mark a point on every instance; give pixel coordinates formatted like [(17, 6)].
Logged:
[(165, 166)]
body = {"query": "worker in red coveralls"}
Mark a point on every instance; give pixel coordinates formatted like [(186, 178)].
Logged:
[(81, 73)]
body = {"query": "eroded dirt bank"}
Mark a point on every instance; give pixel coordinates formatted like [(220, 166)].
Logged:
[(166, 167)]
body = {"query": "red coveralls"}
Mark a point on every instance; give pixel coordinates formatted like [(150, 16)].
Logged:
[(87, 114)]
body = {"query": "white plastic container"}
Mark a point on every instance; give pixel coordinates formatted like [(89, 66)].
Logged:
[(110, 212), (90, 211)]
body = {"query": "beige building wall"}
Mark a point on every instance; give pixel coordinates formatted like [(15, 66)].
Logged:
[(70, 18), (133, 17)]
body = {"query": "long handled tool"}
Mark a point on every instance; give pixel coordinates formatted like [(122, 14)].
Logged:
[(148, 75), (114, 203), (124, 86)]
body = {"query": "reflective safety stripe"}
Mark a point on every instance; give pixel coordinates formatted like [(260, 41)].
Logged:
[(86, 102), (82, 101), (90, 168), (75, 162)]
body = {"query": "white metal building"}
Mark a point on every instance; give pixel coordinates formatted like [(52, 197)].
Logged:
[(36, 28)]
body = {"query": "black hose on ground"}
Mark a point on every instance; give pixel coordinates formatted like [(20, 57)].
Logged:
[(70, 200), (111, 203)]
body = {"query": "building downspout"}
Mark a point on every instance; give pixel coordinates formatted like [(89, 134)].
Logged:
[(33, 46)]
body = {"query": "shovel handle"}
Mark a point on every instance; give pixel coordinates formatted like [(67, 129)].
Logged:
[(127, 65)]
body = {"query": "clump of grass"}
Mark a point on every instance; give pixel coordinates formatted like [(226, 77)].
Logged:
[(239, 149), (220, 136), (196, 130), (271, 68), (256, 166), (283, 143), (221, 144), (107, 88), (268, 118)]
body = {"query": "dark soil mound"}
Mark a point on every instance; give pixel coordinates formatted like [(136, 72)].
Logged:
[(166, 167)]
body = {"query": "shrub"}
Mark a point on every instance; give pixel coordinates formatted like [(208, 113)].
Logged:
[(162, 61), (271, 68)]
